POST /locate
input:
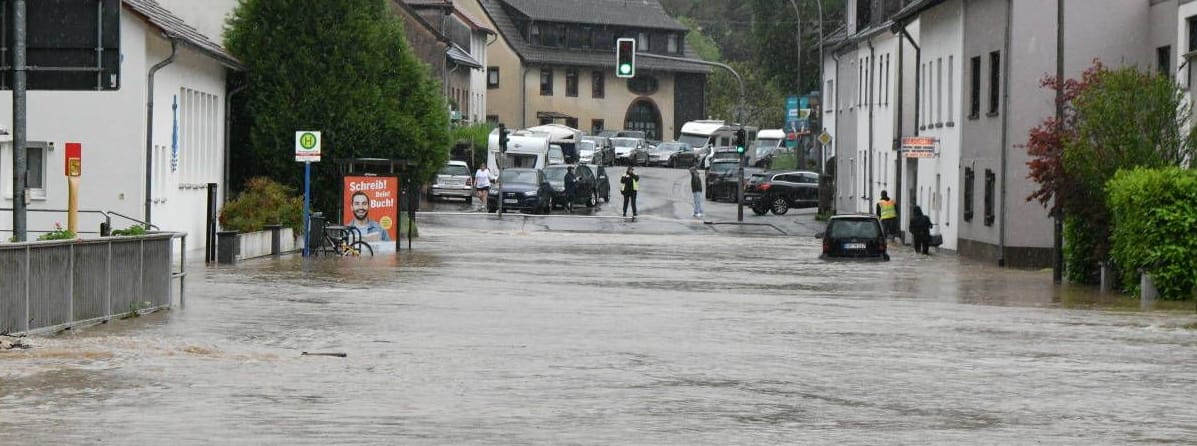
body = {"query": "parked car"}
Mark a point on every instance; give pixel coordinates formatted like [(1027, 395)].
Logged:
[(722, 153), (555, 156), (854, 236), (602, 145), (630, 151), (453, 181), (723, 180), (680, 154), (588, 153), (778, 191), (584, 186), (523, 189), (602, 183)]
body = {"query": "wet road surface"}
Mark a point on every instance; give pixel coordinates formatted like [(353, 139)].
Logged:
[(518, 335)]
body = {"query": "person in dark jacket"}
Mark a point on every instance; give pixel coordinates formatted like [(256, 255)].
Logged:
[(630, 185), (571, 182), (920, 228), (696, 189)]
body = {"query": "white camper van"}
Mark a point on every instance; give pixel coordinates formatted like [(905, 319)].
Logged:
[(565, 137), (769, 143), (524, 149), (705, 135)]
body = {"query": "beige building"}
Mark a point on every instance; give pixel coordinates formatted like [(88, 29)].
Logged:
[(554, 62)]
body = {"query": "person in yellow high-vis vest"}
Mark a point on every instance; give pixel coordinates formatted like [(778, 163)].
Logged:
[(887, 209), (630, 186)]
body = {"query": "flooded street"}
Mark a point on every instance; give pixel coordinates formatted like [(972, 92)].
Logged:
[(523, 337)]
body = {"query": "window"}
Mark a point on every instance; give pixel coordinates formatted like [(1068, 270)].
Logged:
[(1163, 57), (990, 182), (580, 37), (571, 122), (642, 42), (534, 33), (829, 96), (604, 38), (553, 35), (598, 84), (546, 81), (571, 83), (951, 91), (492, 119), (671, 46), (492, 77), (974, 88), (939, 92), (887, 83), (969, 177), (35, 169), (995, 79), (596, 126)]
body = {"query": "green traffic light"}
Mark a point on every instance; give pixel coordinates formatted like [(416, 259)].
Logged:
[(625, 68)]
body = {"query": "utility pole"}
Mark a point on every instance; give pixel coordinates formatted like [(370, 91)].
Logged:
[(19, 162)]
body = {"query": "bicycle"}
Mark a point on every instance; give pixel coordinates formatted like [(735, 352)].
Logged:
[(344, 241)]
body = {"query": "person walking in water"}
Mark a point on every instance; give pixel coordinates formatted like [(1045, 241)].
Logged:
[(630, 185), (888, 211), (696, 189), (920, 228), (482, 179)]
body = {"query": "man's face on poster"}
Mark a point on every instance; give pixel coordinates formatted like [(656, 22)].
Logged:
[(361, 206)]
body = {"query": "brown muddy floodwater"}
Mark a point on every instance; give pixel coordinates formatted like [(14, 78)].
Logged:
[(575, 338)]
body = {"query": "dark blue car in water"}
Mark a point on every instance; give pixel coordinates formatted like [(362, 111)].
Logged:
[(522, 189)]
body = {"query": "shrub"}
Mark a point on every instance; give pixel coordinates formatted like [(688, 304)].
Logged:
[(132, 230), (59, 233), (264, 202), (1155, 227)]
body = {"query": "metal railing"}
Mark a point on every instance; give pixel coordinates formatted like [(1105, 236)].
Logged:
[(57, 284), (106, 214)]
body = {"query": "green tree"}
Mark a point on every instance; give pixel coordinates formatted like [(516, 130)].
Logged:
[(1114, 119), (342, 67)]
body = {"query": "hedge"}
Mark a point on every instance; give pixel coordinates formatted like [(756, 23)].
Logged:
[(1155, 228)]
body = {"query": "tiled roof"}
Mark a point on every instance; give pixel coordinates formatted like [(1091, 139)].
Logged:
[(578, 57), (632, 13), (451, 5), (174, 27)]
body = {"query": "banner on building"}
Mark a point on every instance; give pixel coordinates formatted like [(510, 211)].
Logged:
[(372, 206), (919, 146)]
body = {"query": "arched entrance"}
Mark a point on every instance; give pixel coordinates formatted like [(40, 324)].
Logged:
[(643, 115)]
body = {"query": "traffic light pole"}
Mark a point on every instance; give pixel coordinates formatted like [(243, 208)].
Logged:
[(739, 116)]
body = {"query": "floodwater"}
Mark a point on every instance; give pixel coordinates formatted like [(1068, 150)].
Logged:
[(489, 337)]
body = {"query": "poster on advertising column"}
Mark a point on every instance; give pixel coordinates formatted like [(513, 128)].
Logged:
[(371, 204)]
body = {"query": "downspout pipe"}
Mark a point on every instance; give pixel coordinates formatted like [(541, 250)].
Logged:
[(869, 90), (149, 126), (918, 57), (1005, 130), (835, 143)]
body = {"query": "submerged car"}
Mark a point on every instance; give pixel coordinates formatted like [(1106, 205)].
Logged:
[(523, 189), (453, 181), (854, 236)]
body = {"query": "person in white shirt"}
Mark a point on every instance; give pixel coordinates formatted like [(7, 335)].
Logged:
[(482, 179)]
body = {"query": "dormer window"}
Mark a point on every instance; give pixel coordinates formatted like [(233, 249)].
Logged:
[(672, 44), (534, 33), (642, 45)]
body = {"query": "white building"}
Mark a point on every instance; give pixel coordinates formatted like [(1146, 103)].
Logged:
[(188, 93)]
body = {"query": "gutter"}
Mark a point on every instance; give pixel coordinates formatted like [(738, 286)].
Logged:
[(1005, 130), (918, 60), (869, 90), (149, 125)]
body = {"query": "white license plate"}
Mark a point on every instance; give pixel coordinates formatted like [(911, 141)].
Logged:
[(854, 246), (510, 201)]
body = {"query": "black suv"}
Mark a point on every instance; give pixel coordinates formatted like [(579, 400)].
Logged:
[(855, 236), (778, 191), (585, 190)]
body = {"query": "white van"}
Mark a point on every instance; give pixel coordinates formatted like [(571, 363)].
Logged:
[(524, 149), (706, 134), (769, 143)]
